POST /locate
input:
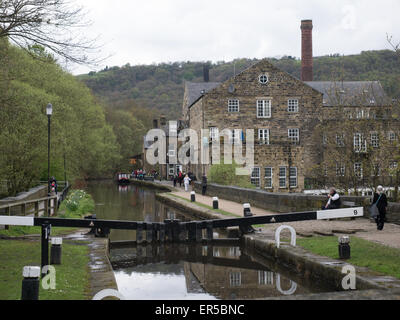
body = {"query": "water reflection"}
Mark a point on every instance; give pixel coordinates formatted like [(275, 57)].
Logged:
[(196, 271)]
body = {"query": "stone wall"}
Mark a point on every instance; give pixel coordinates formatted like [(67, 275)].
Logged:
[(287, 202)]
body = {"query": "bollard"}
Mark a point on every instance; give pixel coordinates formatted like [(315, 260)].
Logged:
[(193, 196), (215, 203), (55, 251), (344, 247), (247, 210), (30, 284)]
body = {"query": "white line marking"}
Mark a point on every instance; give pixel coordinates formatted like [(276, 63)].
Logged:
[(16, 221), (340, 213)]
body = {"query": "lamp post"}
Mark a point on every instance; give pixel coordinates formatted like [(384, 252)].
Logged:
[(49, 112)]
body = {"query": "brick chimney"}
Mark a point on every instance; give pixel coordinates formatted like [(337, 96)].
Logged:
[(206, 73), (306, 50)]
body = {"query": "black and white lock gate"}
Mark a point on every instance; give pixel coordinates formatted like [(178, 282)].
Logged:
[(172, 230)]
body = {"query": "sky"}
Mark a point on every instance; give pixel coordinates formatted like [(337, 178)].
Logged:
[(154, 31)]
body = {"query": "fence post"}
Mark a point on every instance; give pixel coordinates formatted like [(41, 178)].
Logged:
[(199, 231), (36, 213), (30, 283), (45, 246), (210, 231), (162, 232), (139, 233), (191, 231)]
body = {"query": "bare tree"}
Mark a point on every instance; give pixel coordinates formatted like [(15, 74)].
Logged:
[(55, 25)]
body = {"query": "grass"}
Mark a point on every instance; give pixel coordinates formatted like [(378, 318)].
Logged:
[(364, 253), (72, 280), (17, 231), (225, 213)]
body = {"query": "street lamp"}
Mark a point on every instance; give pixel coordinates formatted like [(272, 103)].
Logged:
[(49, 112)]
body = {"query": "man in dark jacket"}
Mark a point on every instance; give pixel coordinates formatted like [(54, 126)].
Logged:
[(334, 201), (381, 202)]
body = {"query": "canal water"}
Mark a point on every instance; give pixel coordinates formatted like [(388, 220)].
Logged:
[(183, 272)]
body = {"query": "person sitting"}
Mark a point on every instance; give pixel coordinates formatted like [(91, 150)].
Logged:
[(334, 201)]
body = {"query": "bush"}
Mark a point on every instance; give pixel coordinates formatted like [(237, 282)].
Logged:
[(77, 204), (225, 174)]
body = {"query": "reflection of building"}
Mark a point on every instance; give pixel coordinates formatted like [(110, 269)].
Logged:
[(235, 283)]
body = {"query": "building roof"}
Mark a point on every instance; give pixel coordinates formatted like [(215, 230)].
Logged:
[(351, 93), (197, 89)]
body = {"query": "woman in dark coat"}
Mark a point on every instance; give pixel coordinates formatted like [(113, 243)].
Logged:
[(381, 202)]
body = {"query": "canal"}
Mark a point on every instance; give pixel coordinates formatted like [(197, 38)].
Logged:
[(183, 272)]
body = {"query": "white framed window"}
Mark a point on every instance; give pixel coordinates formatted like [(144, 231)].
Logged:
[(293, 105), (171, 151), (255, 177), (293, 177), (340, 170), (340, 140), (171, 170), (214, 134), (263, 78), (234, 252), (294, 135), (324, 139), (282, 177), (233, 105), (374, 140), (392, 136), (265, 278), (360, 144), (358, 170), (264, 108), (269, 175), (236, 135), (235, 279), (173, 128), (263, 136), (376, 170)]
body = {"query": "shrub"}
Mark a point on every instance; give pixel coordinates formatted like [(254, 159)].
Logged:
[(77, 204), (225, 174)]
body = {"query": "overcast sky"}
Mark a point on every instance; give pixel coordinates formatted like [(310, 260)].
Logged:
[(148, 31)]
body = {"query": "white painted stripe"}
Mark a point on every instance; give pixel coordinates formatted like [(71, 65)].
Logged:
[(340, 213), (16, 221)]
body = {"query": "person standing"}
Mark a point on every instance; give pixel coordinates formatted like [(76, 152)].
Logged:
[(381, 202), (204, 185), (334, 201), (186, 181)]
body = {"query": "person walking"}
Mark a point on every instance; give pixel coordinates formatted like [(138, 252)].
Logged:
[(381, 202), (187, 182), (204, 185), (180, 178), (334, 201)]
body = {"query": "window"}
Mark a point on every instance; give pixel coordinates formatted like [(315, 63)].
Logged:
[(340, 140), (214, 133), (293, 105), (376, 170), (375, 140), (171, 151), (293, 177), (171, 171), (282, 177), (268, 178), (255, 177), (233, 105), (263, 136), (294, 135), (392, 136), (340, 170), (173, 128), (265, 278), (236, 136), (393, 168), (235, 279), (263, 79), (263, 108), (358, 170), (234, 252), (360, 144), (324, 139)]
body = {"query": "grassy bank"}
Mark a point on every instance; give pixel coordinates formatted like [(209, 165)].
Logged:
[(72, 280), (364, 253)]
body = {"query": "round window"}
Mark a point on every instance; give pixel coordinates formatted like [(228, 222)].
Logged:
[(263, 79)]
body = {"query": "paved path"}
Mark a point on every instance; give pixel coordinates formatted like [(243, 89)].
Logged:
[(362, 228), (225, 205)]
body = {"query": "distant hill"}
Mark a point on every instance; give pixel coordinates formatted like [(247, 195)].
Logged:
[(160, 87)]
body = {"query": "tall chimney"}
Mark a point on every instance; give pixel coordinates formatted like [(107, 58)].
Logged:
[(206, 73), (306, 50)]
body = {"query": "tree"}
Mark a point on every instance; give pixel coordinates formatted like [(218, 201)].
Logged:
[(52, 24)]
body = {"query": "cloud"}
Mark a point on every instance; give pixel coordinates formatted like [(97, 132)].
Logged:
[(143, 32)]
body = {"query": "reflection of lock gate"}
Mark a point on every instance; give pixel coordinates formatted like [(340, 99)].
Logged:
[(172, 230)]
